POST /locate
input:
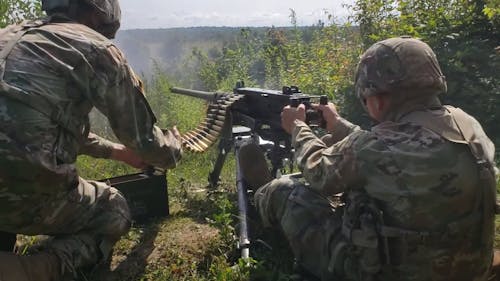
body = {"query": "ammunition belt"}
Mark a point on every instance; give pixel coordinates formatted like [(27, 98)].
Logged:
[(208, 131)]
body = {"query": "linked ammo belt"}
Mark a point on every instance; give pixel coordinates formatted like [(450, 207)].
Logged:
[(208, 131)]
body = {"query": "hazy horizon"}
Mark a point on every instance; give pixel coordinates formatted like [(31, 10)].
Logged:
[(158, 14)]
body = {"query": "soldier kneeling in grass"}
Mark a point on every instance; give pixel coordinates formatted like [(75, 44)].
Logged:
[(52, 73), (418, 188)]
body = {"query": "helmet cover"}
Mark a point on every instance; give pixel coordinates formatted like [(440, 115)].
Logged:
[(401, 65), (109, 13)]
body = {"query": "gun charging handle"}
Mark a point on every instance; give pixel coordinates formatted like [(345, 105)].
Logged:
[(313, 117), (323, 100)]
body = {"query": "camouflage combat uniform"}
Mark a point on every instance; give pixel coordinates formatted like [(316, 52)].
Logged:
[(55, 72), (418, 198)]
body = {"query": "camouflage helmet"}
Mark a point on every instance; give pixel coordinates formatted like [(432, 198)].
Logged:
[(403, 65), (110, 8), (108, 11)]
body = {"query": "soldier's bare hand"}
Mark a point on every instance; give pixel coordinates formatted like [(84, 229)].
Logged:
[(330, 114), (127, 156), (290, 114)]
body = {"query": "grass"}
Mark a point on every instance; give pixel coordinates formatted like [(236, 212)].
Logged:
[(192, 244)]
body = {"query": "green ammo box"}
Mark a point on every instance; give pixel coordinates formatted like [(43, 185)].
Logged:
[(146, 194)]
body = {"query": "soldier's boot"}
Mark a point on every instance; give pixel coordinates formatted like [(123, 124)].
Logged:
[(254, 166), (43, 266)]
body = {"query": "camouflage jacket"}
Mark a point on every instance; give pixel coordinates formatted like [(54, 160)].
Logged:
[(72, 69), (420, 181)]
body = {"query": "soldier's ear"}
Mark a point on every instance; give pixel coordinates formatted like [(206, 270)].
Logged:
[(382, 102)]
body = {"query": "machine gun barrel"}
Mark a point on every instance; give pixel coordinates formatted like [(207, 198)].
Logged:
[(208, 96)]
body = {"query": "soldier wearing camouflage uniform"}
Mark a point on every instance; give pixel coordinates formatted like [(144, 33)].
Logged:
[(52, 73), (418, 189)]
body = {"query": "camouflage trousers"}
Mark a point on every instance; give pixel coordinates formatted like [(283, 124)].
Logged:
[(84, 222), (309, 221)]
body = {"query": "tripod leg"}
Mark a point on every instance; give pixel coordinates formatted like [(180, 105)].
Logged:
[(244, 239), (224, 148), (225, 145)]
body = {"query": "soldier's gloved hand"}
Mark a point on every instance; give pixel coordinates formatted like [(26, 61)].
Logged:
[(330, 114), (127, 156), (290, 114)]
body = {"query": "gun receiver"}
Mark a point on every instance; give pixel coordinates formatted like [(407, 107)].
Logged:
[(255, 108)]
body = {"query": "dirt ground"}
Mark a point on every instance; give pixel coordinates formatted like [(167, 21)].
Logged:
[(169, 247)]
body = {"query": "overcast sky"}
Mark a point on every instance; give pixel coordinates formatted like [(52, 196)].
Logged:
[(186, 13)]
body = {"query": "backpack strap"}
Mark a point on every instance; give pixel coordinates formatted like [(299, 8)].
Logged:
[(56, 114), (466, 127), (19, 32), (486, 203)]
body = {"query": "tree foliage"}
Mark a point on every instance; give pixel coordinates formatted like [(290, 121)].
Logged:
[(492, 11), (13, 11), (320, 59), (464, 35)]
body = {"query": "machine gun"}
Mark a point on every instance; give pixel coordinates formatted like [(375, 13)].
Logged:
[(257, 109), (247, 114)]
